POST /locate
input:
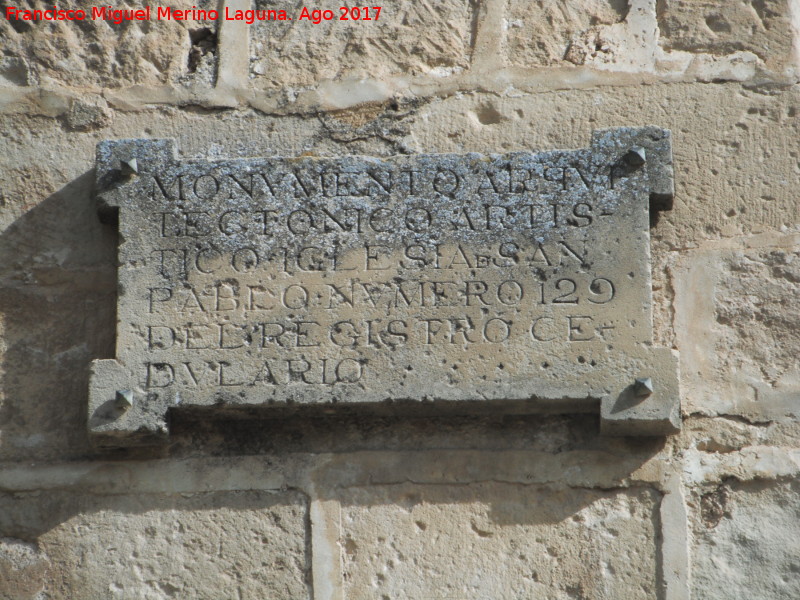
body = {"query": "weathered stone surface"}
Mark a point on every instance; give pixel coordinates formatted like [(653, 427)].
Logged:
[(55, 307), (746, 535), (744, 299), (547, 33), (23, 569), (723, 27), (104, 53), (427, 278), (730, 180), (84, 115), (499, 541), (58, 301), (408, 38), (736, 205), (217, 545), (14, 70)]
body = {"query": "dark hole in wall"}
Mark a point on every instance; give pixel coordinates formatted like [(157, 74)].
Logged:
[(203, 41)]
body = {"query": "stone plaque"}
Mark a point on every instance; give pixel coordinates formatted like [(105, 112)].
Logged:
[(468, 282)]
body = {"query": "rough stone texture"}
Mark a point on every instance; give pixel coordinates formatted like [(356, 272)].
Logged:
[(450, 47), (758, 303), (546, 33), (84, 115), (746, 541), (734, 177), (735, 164), (23, 570), (499, 541), (726, 251), (237, 544), (65, 278), (409, 38), (14, 71), (438, 278), (98, 53), (745, 302), (724, 27)]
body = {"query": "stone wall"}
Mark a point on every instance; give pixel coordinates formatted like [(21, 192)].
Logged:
[(352, 506)]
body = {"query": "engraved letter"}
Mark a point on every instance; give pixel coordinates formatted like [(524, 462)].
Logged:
[(165, 293), (496, 330), (160, 375), (538, 329), (159, 337), (577, 333), (446, 182)]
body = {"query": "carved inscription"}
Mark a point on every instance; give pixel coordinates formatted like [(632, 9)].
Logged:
[(310, 271), (432, 277)]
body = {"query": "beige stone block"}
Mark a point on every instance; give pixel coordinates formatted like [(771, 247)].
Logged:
[(249, 545), (735, 169), (23, 569), (101, 53), (54, 312), (745, 541), (542, 33), (723, 27), (408, 38), (58, 281), (737, 313), (489, 540)]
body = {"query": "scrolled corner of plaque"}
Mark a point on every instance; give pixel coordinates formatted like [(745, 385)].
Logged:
[(496, 282)]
